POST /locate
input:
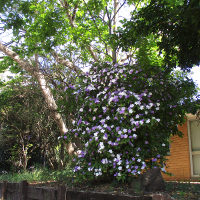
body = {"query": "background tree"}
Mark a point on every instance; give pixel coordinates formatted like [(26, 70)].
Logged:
[(27, 127), (175, 27)]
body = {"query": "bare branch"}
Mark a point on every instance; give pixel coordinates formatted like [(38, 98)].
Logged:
[(109, 21), (115, 13), (64, 62)]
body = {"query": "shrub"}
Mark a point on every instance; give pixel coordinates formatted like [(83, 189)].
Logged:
[(125, 119)]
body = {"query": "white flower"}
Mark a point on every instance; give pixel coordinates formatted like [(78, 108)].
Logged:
[(137, 116), (86, 144), (79, 152), (125, 130), (122, 93), (105, 125), (110, 151), (103, 121), (91, 87), (121, 71), (139, 160), (134, 136), (119, 132), (102, 130), (101, 146), (141, 107), (148, 120), (90, 169), (95, 134), (81, 110), (130, 111), (127, 166), (158, 120), (104, 161), (118, 174), (85, 80), (105, 138), (163, 145), (120, 168), (137, 103), (125, 136), (108, 117)]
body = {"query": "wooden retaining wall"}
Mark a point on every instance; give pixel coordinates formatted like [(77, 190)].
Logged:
[(24, 191)]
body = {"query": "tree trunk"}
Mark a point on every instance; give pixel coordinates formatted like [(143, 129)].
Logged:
[(46, 91)]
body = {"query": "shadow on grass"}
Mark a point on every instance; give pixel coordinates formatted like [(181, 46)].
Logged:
[(184, 190)]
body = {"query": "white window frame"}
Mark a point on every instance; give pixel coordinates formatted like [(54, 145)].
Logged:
[(190, 118)]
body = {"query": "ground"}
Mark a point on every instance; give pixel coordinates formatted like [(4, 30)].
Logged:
[(177, 190)]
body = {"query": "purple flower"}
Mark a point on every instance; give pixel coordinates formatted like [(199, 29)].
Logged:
[(96, 101), (79, 122), (122, 111), (109, 128)]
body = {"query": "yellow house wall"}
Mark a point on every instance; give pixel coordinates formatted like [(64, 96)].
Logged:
[(179, 159)]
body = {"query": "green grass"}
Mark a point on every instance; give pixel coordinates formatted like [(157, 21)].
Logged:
[(38, 175)]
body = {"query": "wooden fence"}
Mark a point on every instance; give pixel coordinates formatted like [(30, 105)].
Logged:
[(24, 191)]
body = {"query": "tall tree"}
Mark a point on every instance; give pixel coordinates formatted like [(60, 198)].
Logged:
[(68, 33)]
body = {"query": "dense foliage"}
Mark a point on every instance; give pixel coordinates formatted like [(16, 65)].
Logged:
[(126, 118), (28, 135), (175, 26)]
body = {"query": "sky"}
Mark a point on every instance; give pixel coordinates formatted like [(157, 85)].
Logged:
[(196, 75)]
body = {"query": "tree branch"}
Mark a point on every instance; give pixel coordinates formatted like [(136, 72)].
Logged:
[(118, 10), (71, 20), (64, 62)]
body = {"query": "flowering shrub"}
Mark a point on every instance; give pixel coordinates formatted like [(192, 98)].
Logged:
[(125, 119)]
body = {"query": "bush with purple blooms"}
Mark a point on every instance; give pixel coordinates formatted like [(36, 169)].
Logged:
[(125, 119)]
